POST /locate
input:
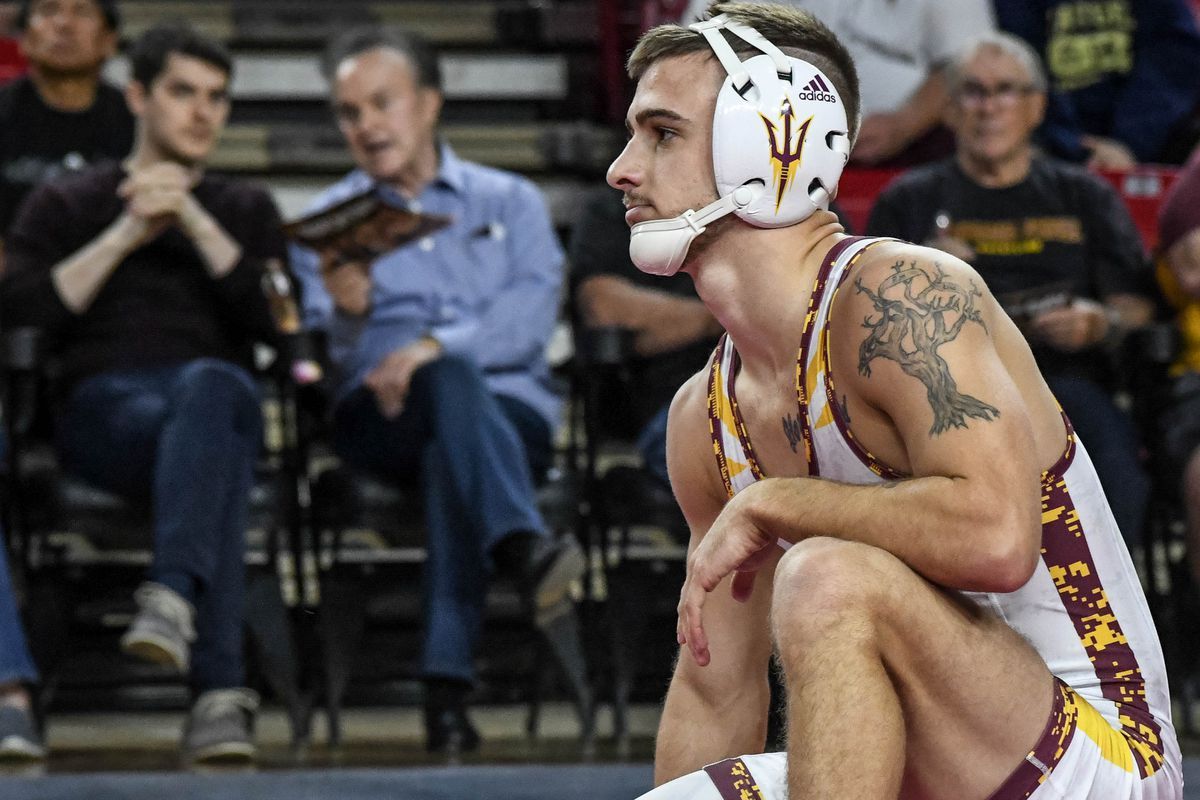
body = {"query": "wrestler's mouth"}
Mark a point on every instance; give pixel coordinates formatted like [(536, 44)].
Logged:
[(637, 214), (637, 211)]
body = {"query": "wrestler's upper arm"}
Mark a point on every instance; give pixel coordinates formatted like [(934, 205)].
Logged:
[(739, 631), (915, 341), (690, 461)]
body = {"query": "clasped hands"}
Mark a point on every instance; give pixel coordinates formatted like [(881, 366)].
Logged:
[(159, 196), (735, 543)]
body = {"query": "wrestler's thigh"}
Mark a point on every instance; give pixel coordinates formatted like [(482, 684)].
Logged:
[(975, 695)]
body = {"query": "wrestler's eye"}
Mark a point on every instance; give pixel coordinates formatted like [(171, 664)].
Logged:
[(665, 134)]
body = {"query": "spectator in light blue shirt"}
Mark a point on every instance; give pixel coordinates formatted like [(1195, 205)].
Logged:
[(438, 348)]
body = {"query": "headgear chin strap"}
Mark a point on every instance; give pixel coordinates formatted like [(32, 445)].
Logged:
[(659, 246), (780, 141)]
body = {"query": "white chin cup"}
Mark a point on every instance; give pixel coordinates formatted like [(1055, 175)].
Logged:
[(660, 246)]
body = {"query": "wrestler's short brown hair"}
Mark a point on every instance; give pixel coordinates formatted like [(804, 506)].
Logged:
[(794, 31)]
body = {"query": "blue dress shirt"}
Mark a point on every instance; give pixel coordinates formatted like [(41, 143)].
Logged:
[(486, 286)]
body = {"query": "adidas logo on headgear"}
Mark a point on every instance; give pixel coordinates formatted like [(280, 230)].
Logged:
[(816, 89)]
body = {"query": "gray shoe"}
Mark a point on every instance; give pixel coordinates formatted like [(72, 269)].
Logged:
[(557, 563), (162, 631), (19, 737), (219, 729)]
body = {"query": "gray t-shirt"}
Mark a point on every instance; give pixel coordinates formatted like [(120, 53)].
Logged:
[(894, 43)]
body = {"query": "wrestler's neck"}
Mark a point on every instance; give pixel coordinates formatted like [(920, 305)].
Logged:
[(757, 281)]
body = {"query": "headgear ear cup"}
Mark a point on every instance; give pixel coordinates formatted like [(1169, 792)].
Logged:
[(780, 141), (790, 133)]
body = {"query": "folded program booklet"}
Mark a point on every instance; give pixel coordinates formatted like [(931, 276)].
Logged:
[(1025, 305), (362, 228)]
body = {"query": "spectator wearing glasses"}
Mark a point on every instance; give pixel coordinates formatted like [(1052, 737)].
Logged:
[(1054, 244)]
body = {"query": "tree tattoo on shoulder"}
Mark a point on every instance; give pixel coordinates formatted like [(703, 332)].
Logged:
[(917, 310)]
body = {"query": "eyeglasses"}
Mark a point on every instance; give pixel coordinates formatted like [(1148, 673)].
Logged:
[(973, 95)]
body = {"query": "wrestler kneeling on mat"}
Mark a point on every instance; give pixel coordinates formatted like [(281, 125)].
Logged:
[(925, 544)]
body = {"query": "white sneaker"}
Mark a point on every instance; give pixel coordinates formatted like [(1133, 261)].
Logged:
[(163, 630)]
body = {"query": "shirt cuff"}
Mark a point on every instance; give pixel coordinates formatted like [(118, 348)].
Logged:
[(455, 339)]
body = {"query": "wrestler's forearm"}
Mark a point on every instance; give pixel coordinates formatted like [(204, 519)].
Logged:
[(695, 731), (956, 532)]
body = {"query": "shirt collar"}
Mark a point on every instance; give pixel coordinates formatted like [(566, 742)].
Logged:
[(450, 169)]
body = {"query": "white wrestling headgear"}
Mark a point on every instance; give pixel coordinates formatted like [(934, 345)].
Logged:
[(780, 141)]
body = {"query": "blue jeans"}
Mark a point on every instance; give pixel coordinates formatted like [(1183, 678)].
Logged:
[(15, 662), (474, 455), (1111, 441), (181, 440)]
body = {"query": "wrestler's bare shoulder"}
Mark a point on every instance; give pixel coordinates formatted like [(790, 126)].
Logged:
[(695, 479), (895, 277)]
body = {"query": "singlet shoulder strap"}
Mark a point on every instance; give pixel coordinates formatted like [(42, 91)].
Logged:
[(731, 444)]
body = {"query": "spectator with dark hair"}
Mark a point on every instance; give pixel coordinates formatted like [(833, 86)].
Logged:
[(146, 277), (1056, 246), (443, 381), (1122, 75), (62, 115), (59, 116)]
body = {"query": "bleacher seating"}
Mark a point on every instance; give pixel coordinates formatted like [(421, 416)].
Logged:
[(516, 78), (521, 95)]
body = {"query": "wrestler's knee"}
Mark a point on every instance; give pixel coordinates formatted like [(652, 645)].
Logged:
[(822, 583)]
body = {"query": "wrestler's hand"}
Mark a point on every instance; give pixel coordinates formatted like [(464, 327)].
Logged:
[(734, 544), (391, 378), (1075, 327)]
